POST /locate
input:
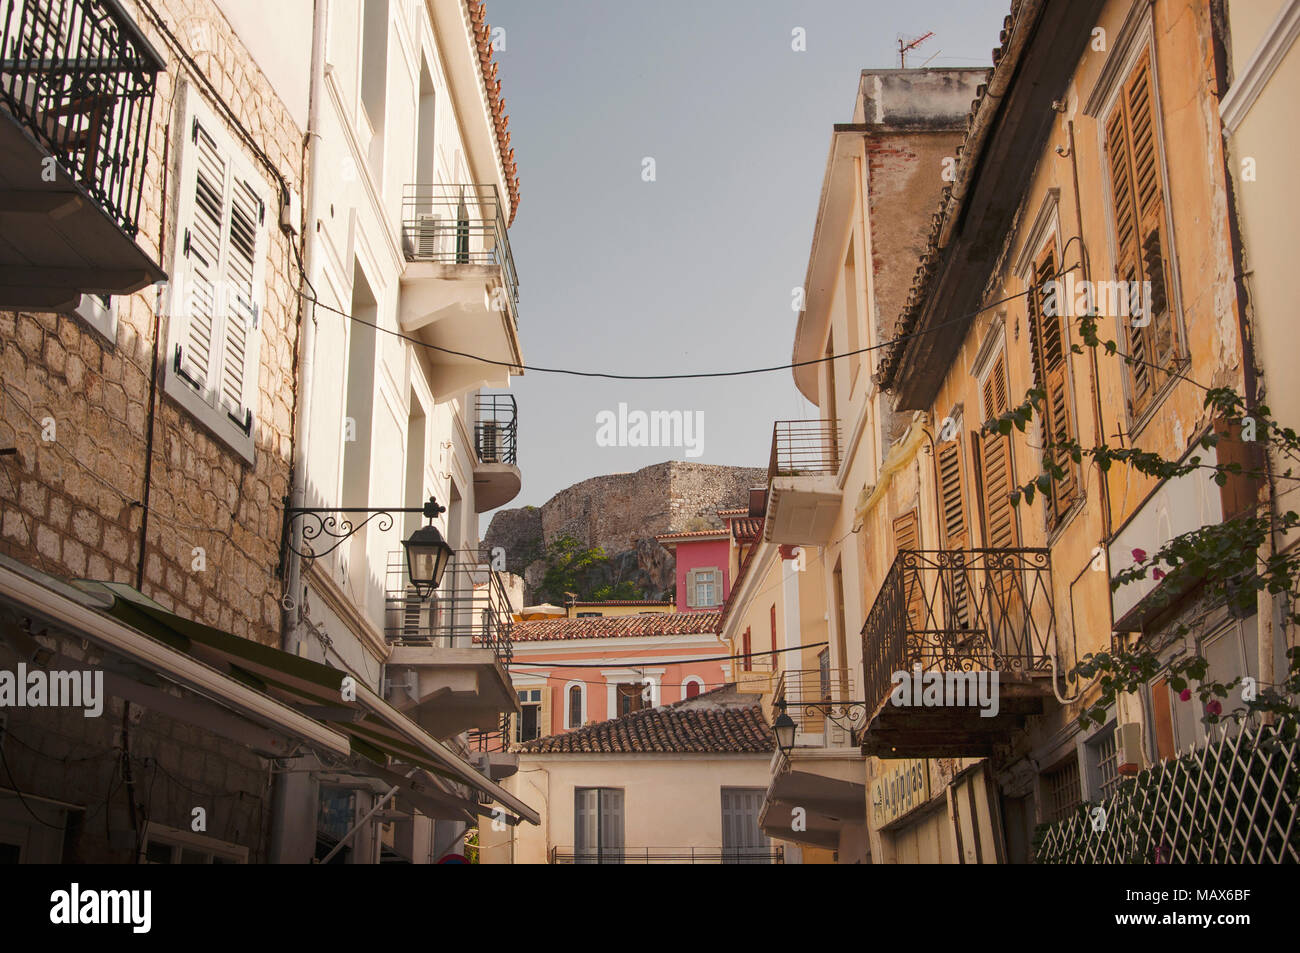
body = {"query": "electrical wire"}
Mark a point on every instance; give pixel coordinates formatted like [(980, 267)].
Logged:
[(712, 658)]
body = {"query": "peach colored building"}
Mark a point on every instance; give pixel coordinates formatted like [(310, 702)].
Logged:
[(571, 672)]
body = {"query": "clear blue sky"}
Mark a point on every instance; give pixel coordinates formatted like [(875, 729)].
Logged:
[(694, 271)]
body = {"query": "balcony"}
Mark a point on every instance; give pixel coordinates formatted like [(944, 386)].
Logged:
[(824, 775), (448, 654), (966, 614), (496, 431), (667, 855), (77, 80), (803, 498), (460, 293)]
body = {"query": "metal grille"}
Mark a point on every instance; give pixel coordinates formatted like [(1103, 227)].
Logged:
[(496, 428), (79, 75), (1232, 801), (471, 608), (804, 447), (1063, 791), (960, 610), (1107, 754)]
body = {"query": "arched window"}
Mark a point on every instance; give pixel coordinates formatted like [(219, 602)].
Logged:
[(575, 712), (692, 685)]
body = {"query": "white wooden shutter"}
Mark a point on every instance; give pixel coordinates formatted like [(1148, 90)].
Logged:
[(611, 825), (585, 819), (245, 220), (202, 269)]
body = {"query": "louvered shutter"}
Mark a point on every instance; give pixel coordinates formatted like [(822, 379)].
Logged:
[(1142, 239), (611, 825), (956, 535), (690, 588), (246, 214), (995, 466), (586, 820), (1051, 375), (200, 345), (544, 712), (907, 537)]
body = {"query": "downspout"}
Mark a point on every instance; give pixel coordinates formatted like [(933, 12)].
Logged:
[(291, 615)]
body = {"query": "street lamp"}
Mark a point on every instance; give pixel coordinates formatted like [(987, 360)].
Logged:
[(784, 729), (427, 556)]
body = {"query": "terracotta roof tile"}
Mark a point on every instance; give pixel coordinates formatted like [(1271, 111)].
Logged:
[(496, 105), (690, 726), (614, 627), (693, 534)]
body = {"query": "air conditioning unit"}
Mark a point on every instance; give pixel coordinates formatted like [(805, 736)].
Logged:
[(1128, 748), (489, 442), (430, 238)]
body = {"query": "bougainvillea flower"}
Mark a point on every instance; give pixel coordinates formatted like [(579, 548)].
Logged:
[(1139, 555), (1214, 707), (1157, 574), (1185, 695)]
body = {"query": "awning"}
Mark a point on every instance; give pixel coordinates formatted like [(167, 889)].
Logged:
[(293, 696)]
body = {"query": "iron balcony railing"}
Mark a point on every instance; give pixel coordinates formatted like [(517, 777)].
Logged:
[(804, 448), (460, 225), (819, 702), (960, 610), (667, 855), (471, 608), (496, 428), (79, 76)]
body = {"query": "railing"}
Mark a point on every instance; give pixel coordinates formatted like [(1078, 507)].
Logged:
[(496, 428), (667, 855), (960, 610), (460, 225), (469, 610), (804, 447), (817, 700), (80, 77)]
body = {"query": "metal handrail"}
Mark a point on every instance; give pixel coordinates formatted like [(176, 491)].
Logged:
[(80, 77), (804, 447), (460, 224), (960, 610), (496, 428)]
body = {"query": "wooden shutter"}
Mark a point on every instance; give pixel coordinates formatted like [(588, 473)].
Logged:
[(544, 713), (201, 341), (586, 820), (246, 213), (611, 825), (746, 649), (907, 536), (1051, 375), (1141, 234), (955, 525), (995, 466), (690, 589)]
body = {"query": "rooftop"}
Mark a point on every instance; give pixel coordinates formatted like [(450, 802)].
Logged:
[(614, 627)]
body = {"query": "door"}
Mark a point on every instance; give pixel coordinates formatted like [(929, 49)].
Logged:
[(743, 841), (598, 826)]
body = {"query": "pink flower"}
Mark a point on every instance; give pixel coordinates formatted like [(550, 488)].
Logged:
[(1134, 669), (1157, 574), (1139, 555), (1214, 707), (1185, 695)]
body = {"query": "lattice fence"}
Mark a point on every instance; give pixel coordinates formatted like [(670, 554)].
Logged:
[(1232, 801)]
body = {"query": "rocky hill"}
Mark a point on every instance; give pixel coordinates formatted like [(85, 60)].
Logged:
[(622, 513)]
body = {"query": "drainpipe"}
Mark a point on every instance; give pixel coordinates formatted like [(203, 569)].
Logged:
[(291, 615)]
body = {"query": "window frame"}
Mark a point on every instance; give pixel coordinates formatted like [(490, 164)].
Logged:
[(568, 705), (692, 680), (214, 417), (98, 317), (180, 840)]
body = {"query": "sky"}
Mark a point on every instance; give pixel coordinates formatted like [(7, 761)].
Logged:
[(694, 270)]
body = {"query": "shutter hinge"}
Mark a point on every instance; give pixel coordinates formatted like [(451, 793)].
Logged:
[(247, 424), (180, 371), (194, 130), (185, 249), (261, 211)]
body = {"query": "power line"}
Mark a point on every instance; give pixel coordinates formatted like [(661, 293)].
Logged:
[(713, 658)]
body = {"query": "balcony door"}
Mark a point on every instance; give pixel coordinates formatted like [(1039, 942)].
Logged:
[(743, 841), (598, 826)]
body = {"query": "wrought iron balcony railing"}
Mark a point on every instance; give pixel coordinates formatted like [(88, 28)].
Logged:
[(821, 702), (960, 610), (460, 225), (79, 76), (667, 855), (471, 608), (804, 448), (496, 428)]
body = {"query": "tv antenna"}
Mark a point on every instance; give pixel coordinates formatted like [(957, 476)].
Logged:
[(905, 44)]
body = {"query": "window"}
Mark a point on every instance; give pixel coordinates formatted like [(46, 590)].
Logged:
[(531, 722), (575, 711), (1061, 786), (100, 313), (1142, 247), (907, 537), (692, 686), (743, 841), (1049, 346), (590, 615), (954, 522), (703, 588), (1103, 762), (824, 674), (631, 697), (217, 266), (165, 845), (598, 825)]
